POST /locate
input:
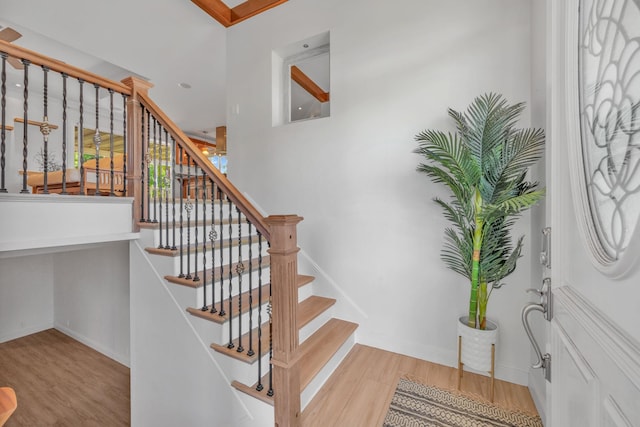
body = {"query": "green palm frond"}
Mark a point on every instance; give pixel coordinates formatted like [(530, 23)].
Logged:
[(455, 213), (484, 165), (517, 204), (457, 251), (448, 151)]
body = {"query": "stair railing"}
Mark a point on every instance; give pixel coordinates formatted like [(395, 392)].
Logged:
[(78, 89), (205, 188), (174, 187)]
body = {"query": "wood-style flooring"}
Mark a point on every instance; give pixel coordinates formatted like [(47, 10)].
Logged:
[(360, 390), (61, 382)]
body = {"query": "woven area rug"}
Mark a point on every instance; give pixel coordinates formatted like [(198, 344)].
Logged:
[(415, 404)]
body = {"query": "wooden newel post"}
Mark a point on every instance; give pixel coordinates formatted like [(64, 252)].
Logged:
[(135, 142), (284, 300)]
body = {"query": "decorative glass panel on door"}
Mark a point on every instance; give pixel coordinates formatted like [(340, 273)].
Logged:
[(609, 80)]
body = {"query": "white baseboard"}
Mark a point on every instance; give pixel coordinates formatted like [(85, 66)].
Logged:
[(538, 395), (120, 358), (25, 331), (437, 355)]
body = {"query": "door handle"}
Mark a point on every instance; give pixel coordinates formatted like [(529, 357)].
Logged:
[(542, 360), (525, 322)]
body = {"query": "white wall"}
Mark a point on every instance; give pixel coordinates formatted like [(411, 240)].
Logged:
[(51, 221), (370, 223), (26, 295), (174, 378), (81, 290), (91, 297)]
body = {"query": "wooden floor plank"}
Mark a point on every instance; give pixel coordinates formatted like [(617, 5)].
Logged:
[(360, 390), (59, 381)]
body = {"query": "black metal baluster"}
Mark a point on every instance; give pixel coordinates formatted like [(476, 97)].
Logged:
[(173, 163), (124, 145), (155, 173), (195, 231), (3, 135), (213, 235), (25, 129), (270, 312), (204, 243), (143, 162), (250, 352), (45, 130), (259, 387), (97, 140), (81, 136), (221, 252), (161, 185), (240, 271), (181, 219), (188, 206), (147, 158), (168, 185), (64, 133), (111, 172), (230, 345)]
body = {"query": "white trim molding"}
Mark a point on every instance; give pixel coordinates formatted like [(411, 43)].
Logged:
[(598, 366)]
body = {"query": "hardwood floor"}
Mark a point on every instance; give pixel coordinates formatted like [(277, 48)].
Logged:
[(59, 381), (360, 390)]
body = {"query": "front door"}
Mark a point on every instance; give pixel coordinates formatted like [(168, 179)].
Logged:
[(593, 206)]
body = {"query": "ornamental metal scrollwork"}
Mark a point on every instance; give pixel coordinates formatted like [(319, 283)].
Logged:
[(609, 104)]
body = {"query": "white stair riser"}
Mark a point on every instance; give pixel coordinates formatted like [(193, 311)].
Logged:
[(224, 335), (158, 214), (242, 371), (189, 258), (311, 327), (235, 289), (305, 291), (190, 233)]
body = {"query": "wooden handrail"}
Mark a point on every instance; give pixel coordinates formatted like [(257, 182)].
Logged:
[(252, 214), (59, 66)]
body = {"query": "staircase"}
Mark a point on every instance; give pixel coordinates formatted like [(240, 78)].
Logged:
[(238, 327), (232, 272)]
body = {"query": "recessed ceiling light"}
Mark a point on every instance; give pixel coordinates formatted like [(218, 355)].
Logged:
[(18, 85), (305, 45), (184, 85), (299, 108)]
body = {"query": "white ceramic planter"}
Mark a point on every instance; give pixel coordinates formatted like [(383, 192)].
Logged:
[(476, 344)]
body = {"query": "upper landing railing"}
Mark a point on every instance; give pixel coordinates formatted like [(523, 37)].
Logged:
[(95, 136)]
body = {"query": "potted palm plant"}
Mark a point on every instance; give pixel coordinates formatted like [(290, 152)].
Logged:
[(484, 164)]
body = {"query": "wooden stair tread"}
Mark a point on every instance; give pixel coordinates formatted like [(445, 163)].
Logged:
[(320, 347), (235, 309), (304, 280), (217, 245), (311, 308), (308, 310), (251, 390), (215, 317), (244, 356), (216, 273), (316, 352)]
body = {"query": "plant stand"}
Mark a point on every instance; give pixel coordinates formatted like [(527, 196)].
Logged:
[(479, 351), (491, 372)]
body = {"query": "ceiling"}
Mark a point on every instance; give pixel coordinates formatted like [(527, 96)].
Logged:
[(166, 41)]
